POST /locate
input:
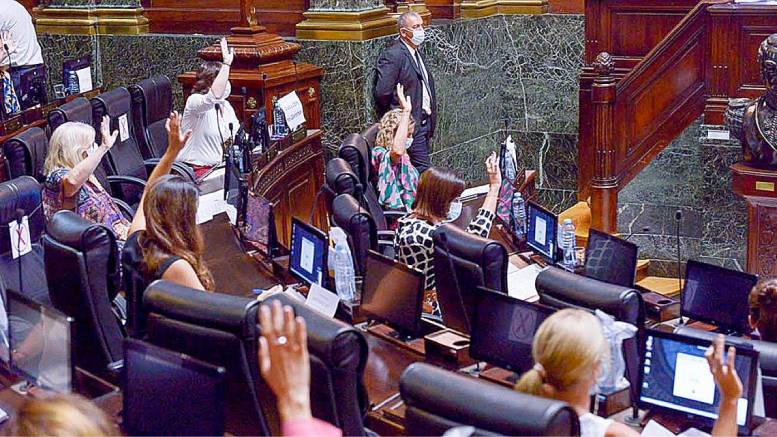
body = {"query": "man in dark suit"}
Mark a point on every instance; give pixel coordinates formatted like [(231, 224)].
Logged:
[(403, 63)]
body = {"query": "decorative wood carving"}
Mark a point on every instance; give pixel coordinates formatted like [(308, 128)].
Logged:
[(758, 187)]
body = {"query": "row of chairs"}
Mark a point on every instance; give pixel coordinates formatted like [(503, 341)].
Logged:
[(143, 109)]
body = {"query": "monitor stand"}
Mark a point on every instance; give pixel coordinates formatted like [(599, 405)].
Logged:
[(414, 345)]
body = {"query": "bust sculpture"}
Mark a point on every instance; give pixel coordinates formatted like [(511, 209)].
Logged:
[(754, 122)]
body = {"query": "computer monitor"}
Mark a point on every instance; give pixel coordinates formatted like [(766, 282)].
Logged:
[(393, 294), (169, 393), (40, 338), (676, 377), (717, 295), (542, 226), (235, 188), (258, 229), (503, 329), (32, 87), (77, 75), (610, 259), (308, 253)]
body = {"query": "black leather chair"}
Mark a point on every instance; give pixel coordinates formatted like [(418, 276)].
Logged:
[(767, 358), (220, 329), (360, 228), (462, 263), (17, 195), (82, 268), (122, 188), (438, 400), (338, 355), (370, 134), (152, 102), (559, 288), (25, 154)]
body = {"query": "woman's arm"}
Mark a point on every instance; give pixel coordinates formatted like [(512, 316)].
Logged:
[(494, 183), (400, 138), (175, 142), (728, 383), (197, 103), (78, 175)]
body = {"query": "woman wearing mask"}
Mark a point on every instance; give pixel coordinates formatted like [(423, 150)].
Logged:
[(208, 114), (438, 189), (397, 178)]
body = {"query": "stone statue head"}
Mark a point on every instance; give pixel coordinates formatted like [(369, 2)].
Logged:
[(767, 59)]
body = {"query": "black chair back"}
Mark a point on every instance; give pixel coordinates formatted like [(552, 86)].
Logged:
[(22, 196), (82, 268), (152, 102), (562, 289), (338, 355), (78, 109), (340, 178), (25, 154), (358, 226), (371, 134), (219, 329), (438, 400), (462, 263), (356, 152)]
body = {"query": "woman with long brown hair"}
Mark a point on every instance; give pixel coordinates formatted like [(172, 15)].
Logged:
[(164, 232), (763, 309)]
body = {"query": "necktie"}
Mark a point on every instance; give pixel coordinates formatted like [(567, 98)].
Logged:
[(10, 101), (421, 68)]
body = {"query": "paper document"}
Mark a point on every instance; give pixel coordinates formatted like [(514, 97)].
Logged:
[(655, 429), (520, 283), (210, 205), (322, 300), (84, 76), (292, 110)]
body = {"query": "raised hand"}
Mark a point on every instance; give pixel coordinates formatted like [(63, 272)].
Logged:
[(228, 54), (723, 371), (175, 139), (492, 170), (404, 101), (108, 138)]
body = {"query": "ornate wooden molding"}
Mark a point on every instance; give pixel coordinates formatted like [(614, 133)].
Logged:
[(90, 21), (485, 8), (346, 25), (253, 46)]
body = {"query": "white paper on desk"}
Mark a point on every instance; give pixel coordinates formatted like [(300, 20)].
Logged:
[(520, 283), (292, 110), (291, 292), (691, 432), (84, 76), (322, 300), (210, 205), (655, 429), (474, 191)]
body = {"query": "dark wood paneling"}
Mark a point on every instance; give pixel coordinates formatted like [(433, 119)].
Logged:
[(280, 17), (566, 6), (192, 16)]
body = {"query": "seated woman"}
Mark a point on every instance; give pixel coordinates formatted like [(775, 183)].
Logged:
[(70, 164), (568, 349), (437, 190), (763, 310), (165, 241), (60, 415), (208, 114), (397, 178)]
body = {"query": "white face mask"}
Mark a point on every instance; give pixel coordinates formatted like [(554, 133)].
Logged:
[(91, 149), (418, 36), (408, 143), (454, 211)]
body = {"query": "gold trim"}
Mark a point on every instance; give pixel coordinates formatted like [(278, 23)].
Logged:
[(417, 6), (346, 26), (764, 186), (90, 21), (485, 8)]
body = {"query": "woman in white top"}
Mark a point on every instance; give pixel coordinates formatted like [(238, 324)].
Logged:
[(567, 351), (208, 114)]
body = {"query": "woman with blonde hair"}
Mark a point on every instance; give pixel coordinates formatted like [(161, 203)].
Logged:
[(397, 178), (60, 415), (71, 184), (568, 349)]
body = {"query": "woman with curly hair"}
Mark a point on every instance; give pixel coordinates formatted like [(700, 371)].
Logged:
[(397, 178), (763, 309)]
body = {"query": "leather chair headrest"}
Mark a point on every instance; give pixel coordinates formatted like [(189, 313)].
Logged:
[(767, 351), (490, 255), (340, 178), (156, 95), (355, 151), (115, 102), (22, 193), (215, 310), (371, 134), (78, 109), (556, 285), (349, 214), (462, 400), (26, 153)]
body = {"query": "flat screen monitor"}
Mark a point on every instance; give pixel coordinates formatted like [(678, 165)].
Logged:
[(717, 295), (677, 378), (503, 329), (169, 393), (259, 226), (393, 293), (40, 338), (308, 253), (610, 259), (32, 87), (542, 226), (235, 188)]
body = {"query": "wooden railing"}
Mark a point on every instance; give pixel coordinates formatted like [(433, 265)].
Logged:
[(626, 121)]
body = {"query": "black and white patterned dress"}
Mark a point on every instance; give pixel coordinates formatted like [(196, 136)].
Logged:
[(414, 245)]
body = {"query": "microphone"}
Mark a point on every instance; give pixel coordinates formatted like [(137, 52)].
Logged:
[(678, 217)]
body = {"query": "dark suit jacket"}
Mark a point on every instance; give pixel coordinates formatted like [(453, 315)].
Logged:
[(397, 65)]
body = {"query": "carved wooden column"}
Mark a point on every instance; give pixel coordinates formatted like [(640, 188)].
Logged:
[(604, 185), (757, 186)]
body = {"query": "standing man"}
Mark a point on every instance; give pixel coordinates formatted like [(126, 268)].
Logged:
[(20, 42), (402, 63)]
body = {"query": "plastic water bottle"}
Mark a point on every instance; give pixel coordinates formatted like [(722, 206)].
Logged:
[(345, 280), (519, 215), (569, 241), (72, 83), (278, 121)]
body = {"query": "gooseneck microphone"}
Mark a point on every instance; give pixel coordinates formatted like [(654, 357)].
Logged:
[(678, 217)]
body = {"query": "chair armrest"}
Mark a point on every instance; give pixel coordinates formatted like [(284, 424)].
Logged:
[(119, 180), (386, 236), (178, 168), (127, 188), (127, 211), (115, 368)]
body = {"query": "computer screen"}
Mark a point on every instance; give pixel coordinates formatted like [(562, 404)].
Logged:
[(542, 228), (610, 259), (676, 377), (504, 328), (393, 293), (40, 338), (309, 247), (169, 393), (259, 227), (235, 188), (717, 295), (32, 87)]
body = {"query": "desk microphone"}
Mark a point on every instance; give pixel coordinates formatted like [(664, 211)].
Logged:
[(678, 217)]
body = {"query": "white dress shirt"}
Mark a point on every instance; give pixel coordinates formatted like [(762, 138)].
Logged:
[(426, 105), (17, 20), (205, 146)]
